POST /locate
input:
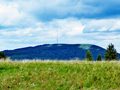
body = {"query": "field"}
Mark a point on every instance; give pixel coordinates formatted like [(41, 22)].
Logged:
[(62, 75)]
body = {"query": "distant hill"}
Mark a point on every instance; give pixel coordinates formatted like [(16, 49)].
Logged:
[(55, 52)]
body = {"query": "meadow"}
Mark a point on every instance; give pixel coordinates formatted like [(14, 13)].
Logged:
[(59, 75)]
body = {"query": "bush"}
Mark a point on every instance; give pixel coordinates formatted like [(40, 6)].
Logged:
[(2, 55)]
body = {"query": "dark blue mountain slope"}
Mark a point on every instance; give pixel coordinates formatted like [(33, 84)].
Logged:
[(55, 52)]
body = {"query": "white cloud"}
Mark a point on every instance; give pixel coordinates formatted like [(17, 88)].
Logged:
[(9, 14), (116, 25), (100, 25), (69, 27), (73, 28)]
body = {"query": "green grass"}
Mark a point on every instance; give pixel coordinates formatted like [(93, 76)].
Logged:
[(60, 75)]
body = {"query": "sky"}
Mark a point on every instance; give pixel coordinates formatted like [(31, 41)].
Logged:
[(26, 23)]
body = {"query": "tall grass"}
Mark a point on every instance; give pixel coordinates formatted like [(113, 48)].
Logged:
[(62, 75)]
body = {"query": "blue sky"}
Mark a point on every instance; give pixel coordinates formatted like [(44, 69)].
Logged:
[(34, 22)]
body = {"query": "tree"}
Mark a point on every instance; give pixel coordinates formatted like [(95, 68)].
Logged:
[(89, 56), (2, 55), (99, 58), (111, 53)]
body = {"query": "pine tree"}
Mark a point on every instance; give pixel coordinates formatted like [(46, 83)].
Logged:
[(99, 58), (111, 53), (89, 56)]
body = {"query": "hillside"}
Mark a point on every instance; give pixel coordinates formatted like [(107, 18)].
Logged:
[(60, 75), (55, 52)]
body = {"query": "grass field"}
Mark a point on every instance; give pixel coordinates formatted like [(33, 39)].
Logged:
[(72, 75)]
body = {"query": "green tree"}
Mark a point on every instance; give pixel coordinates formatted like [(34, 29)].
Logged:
[(99, 58), (111, 53), (2, 55), (89, 56)]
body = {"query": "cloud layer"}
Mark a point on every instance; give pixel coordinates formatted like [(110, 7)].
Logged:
[(28, 23)]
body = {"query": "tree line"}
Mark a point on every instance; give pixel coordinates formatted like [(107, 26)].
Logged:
[(110, 54)]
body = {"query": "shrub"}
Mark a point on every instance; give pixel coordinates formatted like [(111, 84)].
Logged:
[(2, 55)]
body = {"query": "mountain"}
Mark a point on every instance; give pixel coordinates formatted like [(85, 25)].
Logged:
[(55, 52)]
